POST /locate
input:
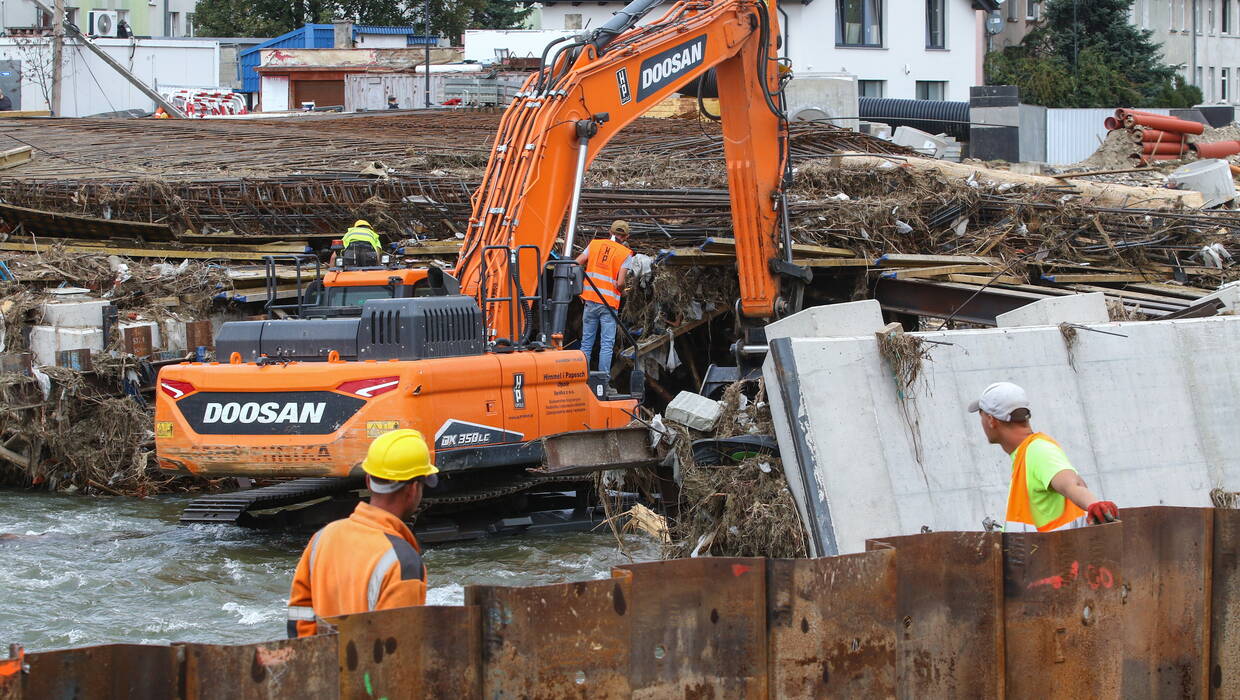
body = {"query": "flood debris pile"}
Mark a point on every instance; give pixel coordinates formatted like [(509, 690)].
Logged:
[(83, 337), (737, 502)]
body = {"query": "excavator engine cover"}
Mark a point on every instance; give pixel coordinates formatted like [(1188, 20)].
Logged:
[(388, 329)]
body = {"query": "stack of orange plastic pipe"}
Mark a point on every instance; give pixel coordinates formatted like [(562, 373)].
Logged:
[(1161, 137)]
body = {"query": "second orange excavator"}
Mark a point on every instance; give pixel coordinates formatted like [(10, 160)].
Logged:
[(473, 357)]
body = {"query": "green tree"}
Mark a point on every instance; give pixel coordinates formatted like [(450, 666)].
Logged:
[(1087, 54), (449, 18)]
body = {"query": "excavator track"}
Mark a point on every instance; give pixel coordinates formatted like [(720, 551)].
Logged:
[(233, 508), (248, 507)]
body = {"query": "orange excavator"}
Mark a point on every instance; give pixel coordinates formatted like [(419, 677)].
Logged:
[(473, 357)]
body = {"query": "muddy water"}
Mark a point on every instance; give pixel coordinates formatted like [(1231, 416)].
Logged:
[(77, 571)]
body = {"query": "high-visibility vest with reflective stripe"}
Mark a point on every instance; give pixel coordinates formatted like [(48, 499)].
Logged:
[(357, 234), (604, 261), (1020, 508), (368, 561)]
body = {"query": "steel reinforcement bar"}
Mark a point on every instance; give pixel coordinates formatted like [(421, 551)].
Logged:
[(1148, 607)]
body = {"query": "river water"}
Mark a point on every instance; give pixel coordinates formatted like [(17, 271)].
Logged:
[(77, 570)]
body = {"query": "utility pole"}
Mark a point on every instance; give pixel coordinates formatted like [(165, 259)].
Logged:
[(426, 43), (58, 47)]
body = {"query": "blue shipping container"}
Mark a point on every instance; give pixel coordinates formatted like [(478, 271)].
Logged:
[(311, 36)]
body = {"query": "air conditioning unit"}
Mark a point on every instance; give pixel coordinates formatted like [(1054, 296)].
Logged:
[(103, 23)]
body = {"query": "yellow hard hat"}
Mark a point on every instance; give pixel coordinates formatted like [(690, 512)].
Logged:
[(399, 455), (361, 222)]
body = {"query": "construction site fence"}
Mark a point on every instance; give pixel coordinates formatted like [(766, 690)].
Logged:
[(1145, 608)]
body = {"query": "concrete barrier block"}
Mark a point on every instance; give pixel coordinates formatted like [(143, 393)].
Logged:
[(850, 319), (693, 411), (1077, 308), (1147, 417), (86, 313), (1229, 294), (46, 341)]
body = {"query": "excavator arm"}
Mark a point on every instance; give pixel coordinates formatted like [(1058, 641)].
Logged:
[(590, 89)]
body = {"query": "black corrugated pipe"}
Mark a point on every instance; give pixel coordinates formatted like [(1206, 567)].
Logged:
[(931, 116), (621, 22)]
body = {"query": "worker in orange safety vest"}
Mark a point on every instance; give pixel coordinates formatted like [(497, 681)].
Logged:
[(1046, 493), (604, 261), (370, 560)]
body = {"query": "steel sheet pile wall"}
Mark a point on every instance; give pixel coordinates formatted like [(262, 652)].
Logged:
[(1144, 608)]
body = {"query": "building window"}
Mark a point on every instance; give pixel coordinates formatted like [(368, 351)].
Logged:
[(932, 90), (1210, 90), (71, 15), (936, 24), (189, 24), (572, 21), (1224, 74), (1033, 10), (1224, 16), (1210, 16), (174, 24), (871, 88), (859, 22)]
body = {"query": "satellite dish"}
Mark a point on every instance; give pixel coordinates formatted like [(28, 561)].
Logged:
[(994, 24)]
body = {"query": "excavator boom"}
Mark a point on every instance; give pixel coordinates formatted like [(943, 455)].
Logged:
[(592, 88)]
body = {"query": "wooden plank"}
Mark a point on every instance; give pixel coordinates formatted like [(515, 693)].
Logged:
[(1132, 294), (983, 279), (809, 250), (134, 252), (250, 296), (107, 246), (20, 113), (1171, 290), (15, 157), (60, 224), (914, 260), (653, 343), (693, 256), (834, 262), (940, 271), (448, 247), (1102, 277)]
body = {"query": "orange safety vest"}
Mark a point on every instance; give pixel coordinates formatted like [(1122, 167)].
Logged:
[(1019, 508), (603, 263), (367, 561)]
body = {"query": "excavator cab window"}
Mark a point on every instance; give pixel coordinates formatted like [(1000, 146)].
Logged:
[(356, 296)]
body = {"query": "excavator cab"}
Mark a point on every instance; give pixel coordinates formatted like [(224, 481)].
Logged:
[(342, 290)]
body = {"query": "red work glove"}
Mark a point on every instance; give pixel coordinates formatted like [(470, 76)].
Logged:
[(1102, 512)]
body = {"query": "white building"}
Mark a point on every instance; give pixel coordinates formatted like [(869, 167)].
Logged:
[(91, 86), (926, 49)]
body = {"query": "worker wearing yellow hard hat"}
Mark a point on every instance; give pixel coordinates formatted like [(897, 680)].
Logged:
[(362, 232), (370, 560)]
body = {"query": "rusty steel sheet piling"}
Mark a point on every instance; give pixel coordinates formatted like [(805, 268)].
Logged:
[(1225, 606), (833, 626), (1063, 613), (949, 605), (293, 668), (1148, 607), (1166, 587), (423, 652), (698, 628), (567, 640)]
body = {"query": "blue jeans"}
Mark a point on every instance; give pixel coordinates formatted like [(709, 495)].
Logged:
[(597, 322)]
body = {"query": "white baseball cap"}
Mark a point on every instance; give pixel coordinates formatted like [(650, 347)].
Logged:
[(1000, 400)]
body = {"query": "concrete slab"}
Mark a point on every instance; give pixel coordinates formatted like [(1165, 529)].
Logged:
[(693, 411), (1229, 294), (851, 318), (84, 313), (46, 341), (1147, 419), (1075, 308)]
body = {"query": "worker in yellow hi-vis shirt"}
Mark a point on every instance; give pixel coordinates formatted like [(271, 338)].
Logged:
[(1046, 491)]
